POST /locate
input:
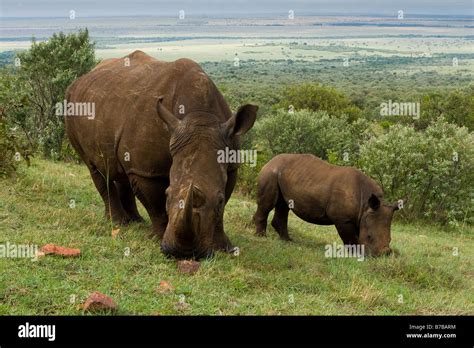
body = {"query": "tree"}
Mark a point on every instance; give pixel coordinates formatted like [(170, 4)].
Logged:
[(14, 135), (7, 149), (46, 71), (456, 107)]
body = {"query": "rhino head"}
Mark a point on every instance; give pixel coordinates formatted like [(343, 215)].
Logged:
[(196, 196), (374, 230)]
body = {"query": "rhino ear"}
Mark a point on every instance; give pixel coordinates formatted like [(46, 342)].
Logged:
[(374, 202), (171, 121), (242, 121)]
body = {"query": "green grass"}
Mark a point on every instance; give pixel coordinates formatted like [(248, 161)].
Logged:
[(34, 209)]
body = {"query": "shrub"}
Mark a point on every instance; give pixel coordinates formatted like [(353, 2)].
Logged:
[(7, 150), (432, 170), (46, 70), (319, 98), (318, 133), (456, 107), (13, 112), (247, 175)]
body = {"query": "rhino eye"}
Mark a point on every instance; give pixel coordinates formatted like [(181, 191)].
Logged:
[(220, 200), (220, 203)]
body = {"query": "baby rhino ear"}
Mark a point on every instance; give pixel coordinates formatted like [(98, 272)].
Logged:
[(242, 121), (374, 202)]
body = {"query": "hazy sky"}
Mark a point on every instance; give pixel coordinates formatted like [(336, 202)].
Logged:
[(87, 8)]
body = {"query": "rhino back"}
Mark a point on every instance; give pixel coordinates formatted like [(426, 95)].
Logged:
[(126, 135), (322, 193)]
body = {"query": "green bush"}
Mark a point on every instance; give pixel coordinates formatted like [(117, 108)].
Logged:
[(14, 101), (456, 107), (305, 131), (247, 176), (46, 70), (68, 153), (319, 98), (7, 150), (432, 171)]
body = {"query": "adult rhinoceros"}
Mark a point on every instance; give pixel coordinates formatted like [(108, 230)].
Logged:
[(156, 132)]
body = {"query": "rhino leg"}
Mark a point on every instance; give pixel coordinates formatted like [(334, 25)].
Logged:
[(267, 197), (127, 198), (221, 241), (109, 194), (151, 193), (280, 218), (348, 233)]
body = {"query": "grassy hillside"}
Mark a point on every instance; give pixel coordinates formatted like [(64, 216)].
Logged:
[(268, 277)]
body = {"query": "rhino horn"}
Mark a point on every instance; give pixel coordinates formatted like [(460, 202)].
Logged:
[(185, 232)]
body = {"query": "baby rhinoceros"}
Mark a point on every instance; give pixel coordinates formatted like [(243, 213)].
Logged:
[(324, 194)]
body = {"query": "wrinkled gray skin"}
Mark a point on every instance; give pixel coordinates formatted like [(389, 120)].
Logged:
[(199, 185), (155, 136), (324, 194)]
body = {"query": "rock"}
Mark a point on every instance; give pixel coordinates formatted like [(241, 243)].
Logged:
[(165, 287), (99, 302), (188, 266), (115, 232), (48, 249), (58, 250)]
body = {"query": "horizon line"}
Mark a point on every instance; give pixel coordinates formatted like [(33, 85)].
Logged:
[(253, 15)]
